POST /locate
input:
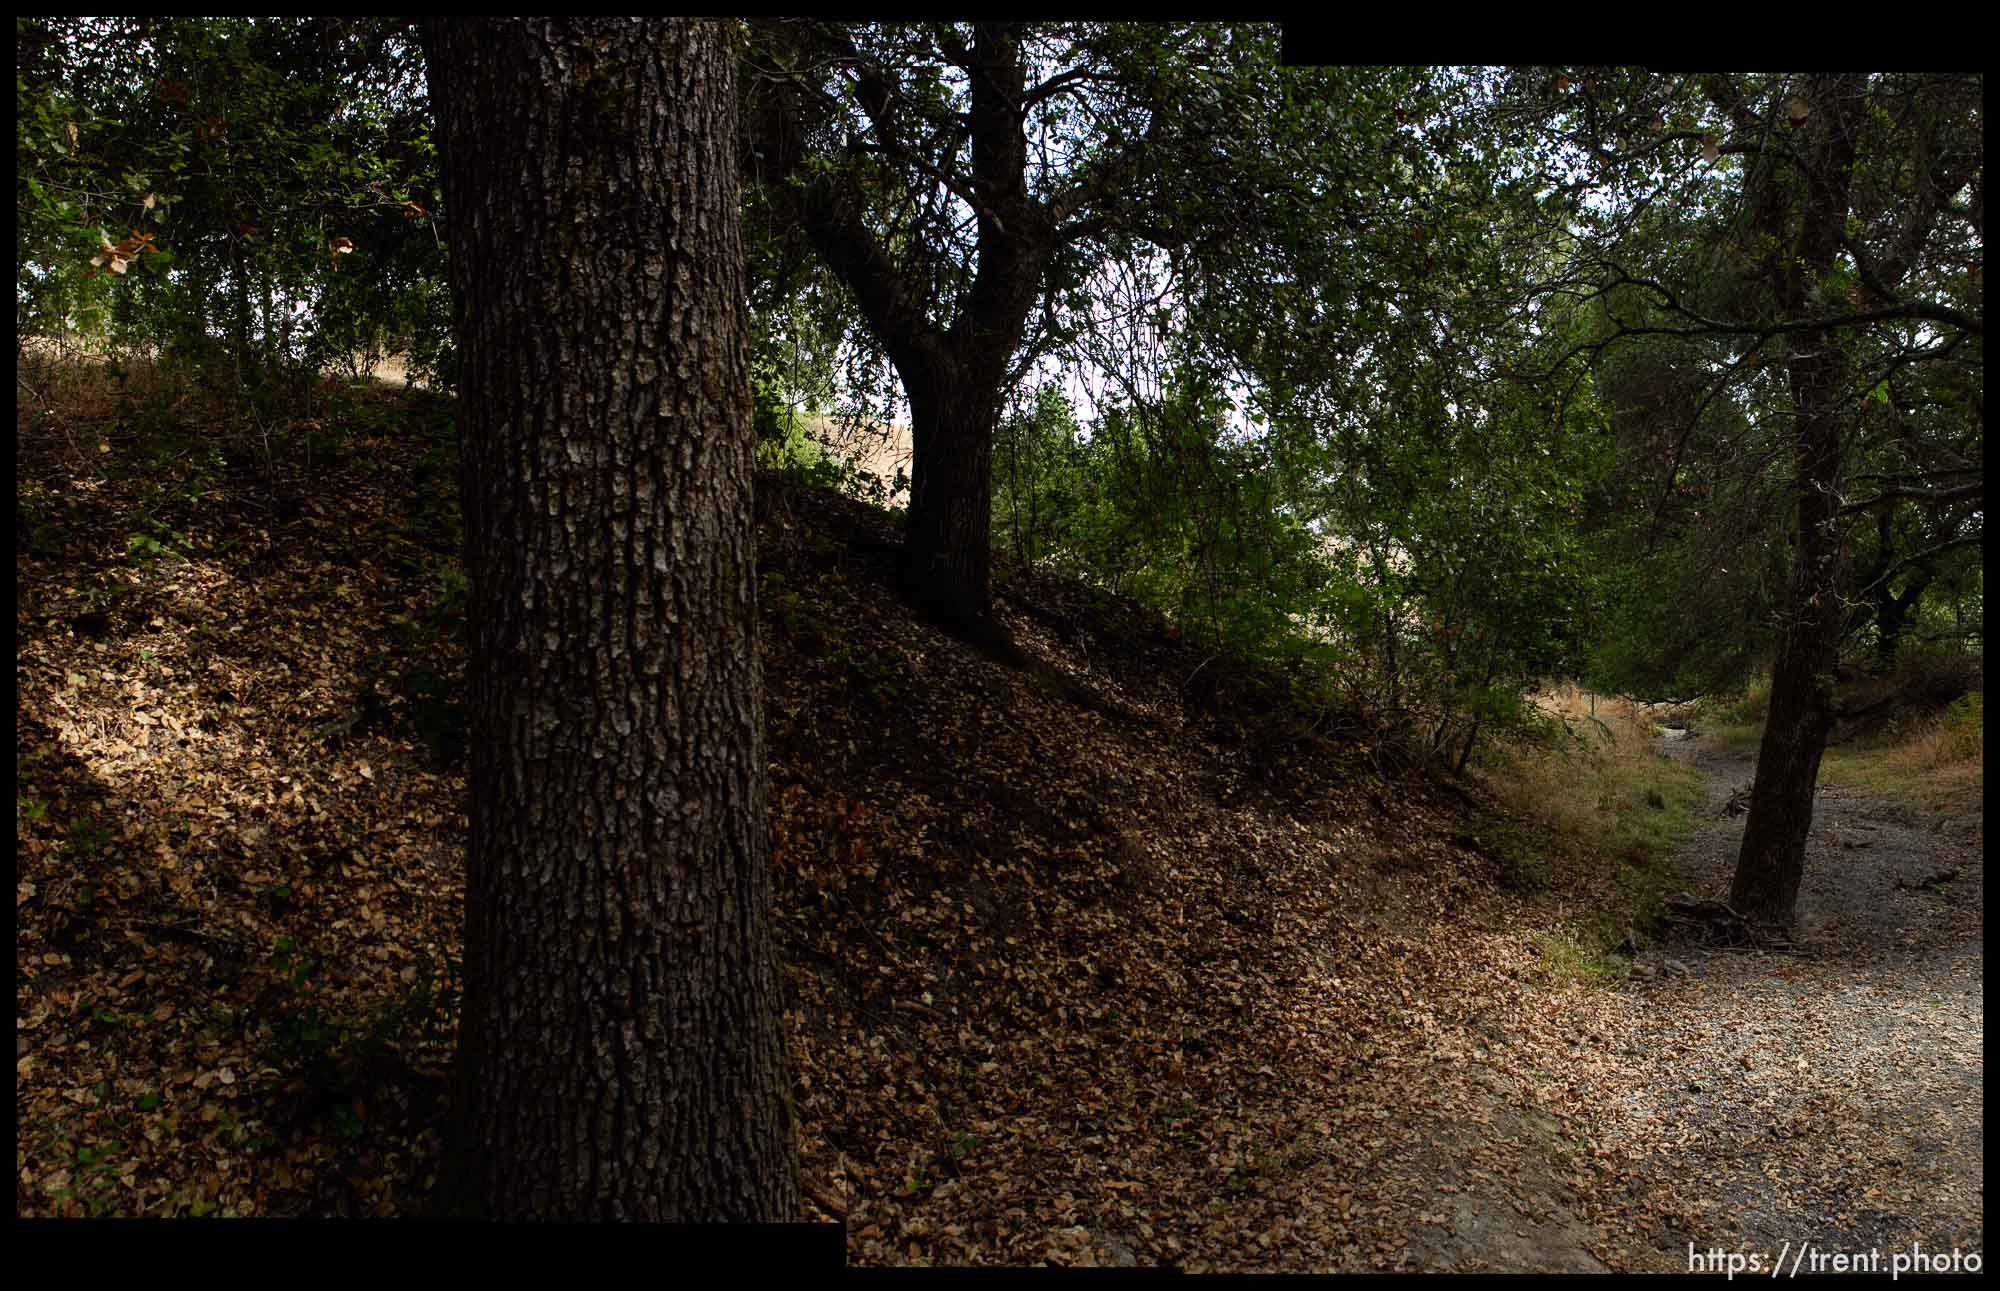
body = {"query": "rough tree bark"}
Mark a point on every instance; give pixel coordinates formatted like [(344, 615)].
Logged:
[(620, 1052), (1772, 860), (947, 549)]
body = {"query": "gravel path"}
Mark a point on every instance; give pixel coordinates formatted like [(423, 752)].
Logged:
[(1831, 1096)]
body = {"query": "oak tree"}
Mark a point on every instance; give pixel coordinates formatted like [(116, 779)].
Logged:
[(968, 184)]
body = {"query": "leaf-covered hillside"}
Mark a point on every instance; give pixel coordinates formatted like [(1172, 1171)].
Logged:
[(1028, 938), (1132, 955)]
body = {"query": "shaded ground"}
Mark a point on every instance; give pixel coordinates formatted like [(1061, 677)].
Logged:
[(1159, 982), (1164, 983)]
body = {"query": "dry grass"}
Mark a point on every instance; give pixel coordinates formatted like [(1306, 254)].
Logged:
[(1605, 784), (1605, 801), (72, 395), (1603, 736), (1943, 743), (1909, 750), (878, 450), (82, 401), (1937, 763), (1595, 809), (1737, 722), (1614, 719), (75, 375)]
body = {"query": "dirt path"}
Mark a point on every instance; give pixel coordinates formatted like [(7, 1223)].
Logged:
[(1832, 1096), (1742, 1102)]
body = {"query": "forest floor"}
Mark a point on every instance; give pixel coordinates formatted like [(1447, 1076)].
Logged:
[(1183, 976)]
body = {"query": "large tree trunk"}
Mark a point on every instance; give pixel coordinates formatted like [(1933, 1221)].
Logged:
[(948, 535), (1772, 860), (620, 1051)]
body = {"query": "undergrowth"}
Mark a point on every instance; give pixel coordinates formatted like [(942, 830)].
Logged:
[(1935, 763), (1600, 801)]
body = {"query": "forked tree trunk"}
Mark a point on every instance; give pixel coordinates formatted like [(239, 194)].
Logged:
[(620, 1052), (954, 373), (1894, 612)]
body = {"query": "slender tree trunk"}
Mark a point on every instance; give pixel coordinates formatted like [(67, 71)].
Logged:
[(267, 336), (620, 1051), (1888, 610), (1893, 612), (1389, 656), (1465, 753), (198, 282), (1772, 860), (239, 338)]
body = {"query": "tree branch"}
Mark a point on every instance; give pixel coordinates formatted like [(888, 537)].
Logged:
[(1962, 493), (1925, 557)]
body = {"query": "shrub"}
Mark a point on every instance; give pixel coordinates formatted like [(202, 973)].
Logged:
[(1749, 708), (1931, 677)]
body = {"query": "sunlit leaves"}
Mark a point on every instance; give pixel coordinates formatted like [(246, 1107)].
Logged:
[(118, 257)]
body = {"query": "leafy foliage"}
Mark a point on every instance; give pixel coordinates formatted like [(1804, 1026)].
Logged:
[(277, 183), (1159, 503)]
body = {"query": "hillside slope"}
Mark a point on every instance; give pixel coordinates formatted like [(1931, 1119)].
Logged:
[(1176, 975), (1171, 980)]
